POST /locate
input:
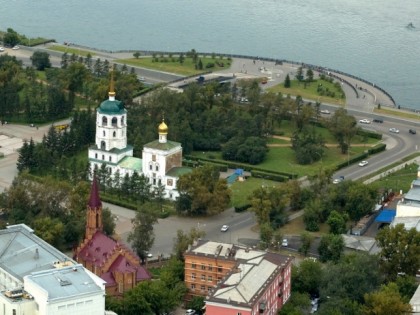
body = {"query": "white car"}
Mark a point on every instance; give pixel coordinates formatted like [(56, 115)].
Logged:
[(15, 47), (224, 228), (1, 49), (394, 130), (190, 312), (285, 243), (325, 111), (364, 121), (363, 163)]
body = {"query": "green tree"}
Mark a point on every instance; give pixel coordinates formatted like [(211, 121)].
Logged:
[(11, 37), (360, 200), (287, 82), (207, 193), (136, 55), (331, 247), (337, 223), (298, 304), (344, 128), (142, 236), (50, 230), (299, 74), (386, 301), (183, 240), (312, 215), (41, 60), (266, 235), (400, 251), (306, 241), (197, 304), (309, 75), (307, 277)]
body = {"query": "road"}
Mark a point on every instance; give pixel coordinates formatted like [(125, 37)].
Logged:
[(398, 146)]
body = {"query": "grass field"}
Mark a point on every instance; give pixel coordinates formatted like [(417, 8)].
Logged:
[(71, 50), (172, 65), (397, 113), (242, 190), (309, 91)]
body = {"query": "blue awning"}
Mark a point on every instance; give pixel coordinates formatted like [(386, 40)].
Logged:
[(386, 216)]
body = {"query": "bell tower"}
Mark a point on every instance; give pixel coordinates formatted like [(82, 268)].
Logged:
[(94, 211)]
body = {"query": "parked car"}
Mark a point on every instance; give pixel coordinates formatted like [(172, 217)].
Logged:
[(338, 180), (190, 312), (378, 120), (363, 163), (325, 111), (224, 228), (285, 243), (15, 47), (1, 49), (394, 130), (412, 131), (364, 121)]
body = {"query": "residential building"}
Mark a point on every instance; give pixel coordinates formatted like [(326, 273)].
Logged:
[(237, 280), (107, 258), (408, 208), (161, 160), (37, 279)]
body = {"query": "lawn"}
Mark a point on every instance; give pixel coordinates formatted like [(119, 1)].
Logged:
[(242, 190), (172, 65), (309, 91), (71, 50), (397, 113)]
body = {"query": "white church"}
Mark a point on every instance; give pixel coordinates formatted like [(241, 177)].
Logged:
[(161, 160)]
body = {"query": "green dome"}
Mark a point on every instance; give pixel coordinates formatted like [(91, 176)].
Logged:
[(112, 107)]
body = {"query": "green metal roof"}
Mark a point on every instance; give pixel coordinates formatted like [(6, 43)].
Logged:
[(178, 171), (162, 146), (131, 163), (113, 150), (111, 107)]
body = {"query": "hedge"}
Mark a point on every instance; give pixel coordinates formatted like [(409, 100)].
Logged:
[(242, 208), (378, 148), (271, 176)]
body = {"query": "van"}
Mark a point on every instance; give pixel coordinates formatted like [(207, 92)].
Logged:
[(412, 131)]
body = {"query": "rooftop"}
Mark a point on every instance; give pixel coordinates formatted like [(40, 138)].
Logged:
[(131, 163), (65, 282), (22, 252), (163, 146), (409, 222)]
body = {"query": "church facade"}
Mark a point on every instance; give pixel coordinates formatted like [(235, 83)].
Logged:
[(107, 258), (161, 160)]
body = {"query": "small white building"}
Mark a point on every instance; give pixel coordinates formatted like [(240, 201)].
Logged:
[(37, 279), (161, 159)]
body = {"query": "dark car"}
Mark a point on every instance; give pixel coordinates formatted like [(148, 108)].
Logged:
[(412, 131), (378, 120)]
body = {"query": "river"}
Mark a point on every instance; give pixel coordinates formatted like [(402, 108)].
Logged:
[(369, 39)]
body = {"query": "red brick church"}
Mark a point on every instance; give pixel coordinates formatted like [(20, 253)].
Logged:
[(106, 257)]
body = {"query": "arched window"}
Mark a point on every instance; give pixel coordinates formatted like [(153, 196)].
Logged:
[(104, 133), (103, 146), (104, 121), (96, 155), (122, 121), (157, 167), (110, 159), (114, 122), (114, 134), (103, 157)]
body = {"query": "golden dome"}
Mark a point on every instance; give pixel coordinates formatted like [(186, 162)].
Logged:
[(163, 128)]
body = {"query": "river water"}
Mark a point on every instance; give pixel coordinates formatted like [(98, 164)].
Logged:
[(369, 39)]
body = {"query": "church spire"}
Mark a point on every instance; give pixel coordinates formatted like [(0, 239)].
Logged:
[(94, 211), (111, 93), (163, 131)]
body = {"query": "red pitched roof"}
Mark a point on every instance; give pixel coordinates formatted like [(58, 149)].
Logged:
[(94, 200)]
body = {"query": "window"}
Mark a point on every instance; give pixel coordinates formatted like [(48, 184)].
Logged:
[(114, 121), (210, 278), (154, 158), (150, 167), (110, 159), (209, 289), (192, 286), (114, 134), (219, 268), (157, 168), (211, 267), (103, 157), (203, 277), (193, 276), (203, 288), (104, 121), (203, 267), (103, 132), (96, 155), (193, 265), (122, 121), (169, 182)]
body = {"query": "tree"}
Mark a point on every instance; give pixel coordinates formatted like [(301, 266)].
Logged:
[(136, 55), (197, 304), (308, 146), (400, 251), (306, 241), (331, 247), (183, 240), (386, 301), (309, 75), (360, 200), (344, 127), (337, 223), (299, 74), (307, 277), (266, 235), (287, 82), (206, 192), (351, 277), (11, 38), (312, 215), (298, 304), (50, 230), (41, 60), (142, 236)]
